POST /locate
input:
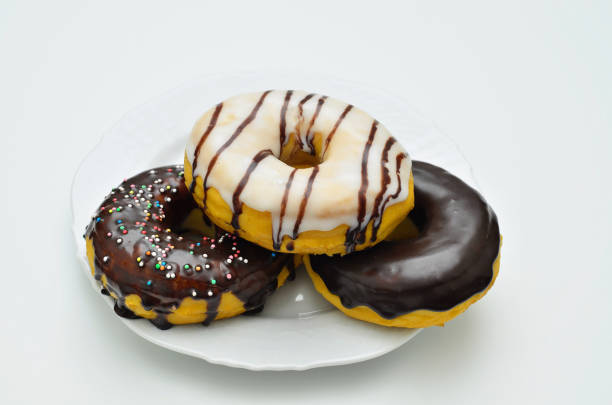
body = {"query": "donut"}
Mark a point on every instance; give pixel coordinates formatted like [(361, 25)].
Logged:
[(148, 250), (423, 278), (297, 172)]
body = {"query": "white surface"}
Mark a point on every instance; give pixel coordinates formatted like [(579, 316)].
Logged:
[(523, 87)]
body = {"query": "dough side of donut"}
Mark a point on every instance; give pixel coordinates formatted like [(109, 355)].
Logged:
[(256, 226), (421, 318), (310, 162), (189, 310)]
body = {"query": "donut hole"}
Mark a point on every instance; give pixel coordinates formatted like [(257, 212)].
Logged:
[(299, 154), (184, 217), (418, 217), (410, 227), (196, 222)]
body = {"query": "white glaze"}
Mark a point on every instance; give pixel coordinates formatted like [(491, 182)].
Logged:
[(334, 197)]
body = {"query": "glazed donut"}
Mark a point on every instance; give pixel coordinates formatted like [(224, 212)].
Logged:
[(427, 279), (298, 172), (157, 266)]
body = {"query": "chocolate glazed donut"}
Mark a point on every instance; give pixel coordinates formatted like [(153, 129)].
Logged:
[(156, 270), (427, 279)]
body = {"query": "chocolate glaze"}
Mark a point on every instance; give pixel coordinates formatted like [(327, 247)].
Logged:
[(144, 214), (447, 263), (254, 311)]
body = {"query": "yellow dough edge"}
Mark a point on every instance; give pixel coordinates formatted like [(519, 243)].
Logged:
[(190, 310), (421, 318), (256, 226)]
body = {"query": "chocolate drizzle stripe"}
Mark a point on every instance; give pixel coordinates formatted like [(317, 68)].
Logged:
[(304, 101), (232, 138), (283, 118), (398, 165), (211, 125), (212, 309), (301, 117), (304, 201), (385, 179), (354, 236), (276, 242), (261, 155), (309, 136), (335, 128)]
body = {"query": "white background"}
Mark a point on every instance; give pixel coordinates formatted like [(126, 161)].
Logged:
[(524, 87)]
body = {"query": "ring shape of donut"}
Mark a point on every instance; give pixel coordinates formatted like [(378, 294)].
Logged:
[(298, 172), (424, 276), (146, 247)]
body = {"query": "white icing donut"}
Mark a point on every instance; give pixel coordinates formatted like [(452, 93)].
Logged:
[(234, 147)]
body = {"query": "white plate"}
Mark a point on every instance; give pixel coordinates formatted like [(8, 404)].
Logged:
[(297, 330)]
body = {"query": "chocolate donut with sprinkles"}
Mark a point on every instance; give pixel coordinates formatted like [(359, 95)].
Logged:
[(147, 245)]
